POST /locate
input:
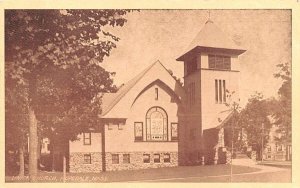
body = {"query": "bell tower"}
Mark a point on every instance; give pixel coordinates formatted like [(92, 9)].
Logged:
[(211, 67)]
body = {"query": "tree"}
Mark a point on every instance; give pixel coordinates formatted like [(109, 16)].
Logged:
[(283, 109), (56, 56), (255, 120), (16, 107)]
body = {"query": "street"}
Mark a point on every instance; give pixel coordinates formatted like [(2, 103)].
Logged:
[(197, 174)]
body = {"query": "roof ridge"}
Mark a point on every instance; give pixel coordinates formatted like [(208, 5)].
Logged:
[(127, 86)]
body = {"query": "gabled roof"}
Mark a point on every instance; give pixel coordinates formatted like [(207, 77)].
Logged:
[(210, 36), (109, 100)]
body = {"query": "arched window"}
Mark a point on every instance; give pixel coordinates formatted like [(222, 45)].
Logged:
[(156, 124)]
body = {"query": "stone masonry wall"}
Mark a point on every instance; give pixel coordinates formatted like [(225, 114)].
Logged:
[(136, 161), (77, 162)]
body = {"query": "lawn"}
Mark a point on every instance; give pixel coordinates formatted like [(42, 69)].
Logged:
[(138, 175)]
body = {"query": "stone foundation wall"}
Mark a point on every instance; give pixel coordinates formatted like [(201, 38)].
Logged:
[(77, 164), (136, 161)]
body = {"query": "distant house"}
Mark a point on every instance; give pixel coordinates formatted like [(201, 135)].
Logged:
[(275, 151), (152, 121)]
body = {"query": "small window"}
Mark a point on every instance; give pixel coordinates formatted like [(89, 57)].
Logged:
[(269, 148), (167, 158), (157, 158), (115, 158), (220, 91), (146, 158), (219, 62), (86, 138), (279, 148), (87, 159), (174, 131), (138, 131), (156, 93), (126, 158)]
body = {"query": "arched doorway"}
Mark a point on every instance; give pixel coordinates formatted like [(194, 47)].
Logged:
[(156, 124)]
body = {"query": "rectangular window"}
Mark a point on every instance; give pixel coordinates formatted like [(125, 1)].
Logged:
[(138, 131), (156, 93), (156, 158), (219, 62), (211, 62), (115, 158), (279, 148), (87, 159), (269, 148), (216, 91), (174, 131), (146, 158), (220, 91), (167, 158), (87, 139), (227, 63), (126, 158), (224, 91)]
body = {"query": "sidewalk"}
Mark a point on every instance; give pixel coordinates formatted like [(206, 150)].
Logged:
[(279, 164)]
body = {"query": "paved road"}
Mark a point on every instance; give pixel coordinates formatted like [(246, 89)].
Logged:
[(206, 173), (283, 176), (265, 174)]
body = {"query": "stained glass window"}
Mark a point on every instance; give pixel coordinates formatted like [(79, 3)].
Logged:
[(157, 124)]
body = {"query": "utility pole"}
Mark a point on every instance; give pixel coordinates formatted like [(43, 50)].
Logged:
[(262, 141), (232, 140)]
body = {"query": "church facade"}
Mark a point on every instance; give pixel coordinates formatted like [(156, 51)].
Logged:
[(153, 121)]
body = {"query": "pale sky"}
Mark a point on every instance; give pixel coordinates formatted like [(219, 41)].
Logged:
[(163, 35)]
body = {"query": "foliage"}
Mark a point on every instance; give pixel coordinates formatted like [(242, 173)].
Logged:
[(255, 119), (250, 124), (283, 109), (55, 56)]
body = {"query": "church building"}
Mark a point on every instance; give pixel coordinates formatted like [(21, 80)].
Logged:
[(153, 121)]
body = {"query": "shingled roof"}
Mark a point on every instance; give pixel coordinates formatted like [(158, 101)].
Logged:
[(109, 100), (210, 36)]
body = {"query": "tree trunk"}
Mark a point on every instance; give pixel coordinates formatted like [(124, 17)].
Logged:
[(21, 160), (33, 145)]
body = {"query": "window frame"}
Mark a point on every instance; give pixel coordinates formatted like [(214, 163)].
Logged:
[(87, 158), (174, 138), (220, 91), (167, 157), (156, 93), (148, 156), (219, 62), (165, 127), (89, 138), (126, 160), (138, 138), (156, 158), (113, 158)]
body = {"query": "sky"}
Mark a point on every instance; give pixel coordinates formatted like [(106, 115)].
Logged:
[(164, 35)]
